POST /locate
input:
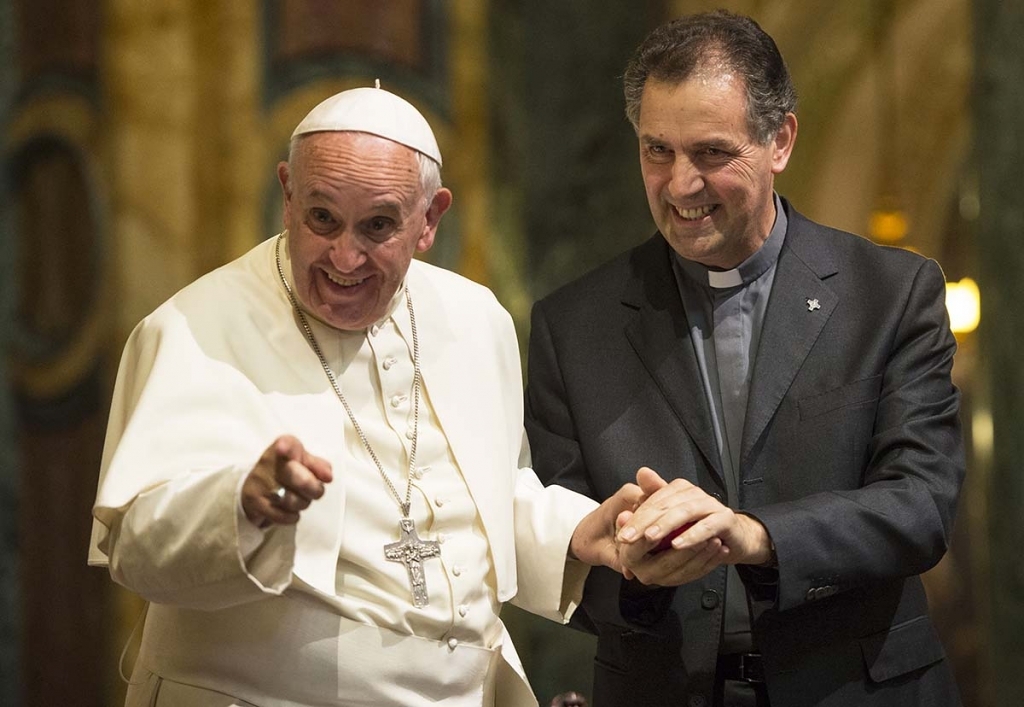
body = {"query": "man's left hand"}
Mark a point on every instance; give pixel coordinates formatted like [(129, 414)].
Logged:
[(716, 535)]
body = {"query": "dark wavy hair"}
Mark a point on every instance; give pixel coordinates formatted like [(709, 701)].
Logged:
[(676, 50)]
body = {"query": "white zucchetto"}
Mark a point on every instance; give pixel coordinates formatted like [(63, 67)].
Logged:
[(374, 111)]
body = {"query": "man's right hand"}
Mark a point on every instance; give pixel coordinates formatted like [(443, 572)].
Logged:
[(284, 464), (593, 541)]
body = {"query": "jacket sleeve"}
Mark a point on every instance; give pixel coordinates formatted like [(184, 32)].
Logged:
[(559, 463), (898, 521)]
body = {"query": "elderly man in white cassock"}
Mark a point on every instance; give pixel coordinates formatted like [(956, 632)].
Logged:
[(314, 468)]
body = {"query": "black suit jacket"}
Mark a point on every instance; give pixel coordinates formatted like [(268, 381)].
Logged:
[(852, 457)]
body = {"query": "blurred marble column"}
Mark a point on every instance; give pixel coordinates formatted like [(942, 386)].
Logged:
[(185, 158), (54, 333), (567, 196), (10, 624), (567, 174), (999, 141), (185, 143)]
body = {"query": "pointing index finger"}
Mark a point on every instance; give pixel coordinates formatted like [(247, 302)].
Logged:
[(320, 468)]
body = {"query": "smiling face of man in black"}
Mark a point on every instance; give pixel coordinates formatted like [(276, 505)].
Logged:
[(709, 183)]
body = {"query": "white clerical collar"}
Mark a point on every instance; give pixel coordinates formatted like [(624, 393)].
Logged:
[(721, 279)]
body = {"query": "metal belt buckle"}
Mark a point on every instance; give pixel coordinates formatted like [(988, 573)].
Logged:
[(751, 667)]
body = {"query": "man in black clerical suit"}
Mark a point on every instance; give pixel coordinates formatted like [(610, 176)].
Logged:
[(786, 387)]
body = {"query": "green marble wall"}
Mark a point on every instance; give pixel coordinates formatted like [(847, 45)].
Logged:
[(10, 624), (568, 196), (565, 174), (999, 147)]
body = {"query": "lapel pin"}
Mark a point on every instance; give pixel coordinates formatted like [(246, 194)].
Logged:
[(812, 304)]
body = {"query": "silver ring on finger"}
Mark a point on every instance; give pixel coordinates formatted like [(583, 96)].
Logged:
[(280, 494)]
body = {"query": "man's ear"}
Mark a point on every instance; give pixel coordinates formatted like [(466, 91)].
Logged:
[(283, 175), (782, 145), (441, 202)]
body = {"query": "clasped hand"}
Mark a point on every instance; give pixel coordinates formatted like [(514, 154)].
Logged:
[(712, 534)]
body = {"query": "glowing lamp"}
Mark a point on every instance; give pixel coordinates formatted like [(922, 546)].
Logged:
[(963, 302), (888, 226)]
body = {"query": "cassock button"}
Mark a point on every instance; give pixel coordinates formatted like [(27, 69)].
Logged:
[(397, 400), (440, 501), (389, 362), (463, 610), (441, 537), (410, 433), (374, 330), (709, 599), (457, 570), (453, 642)]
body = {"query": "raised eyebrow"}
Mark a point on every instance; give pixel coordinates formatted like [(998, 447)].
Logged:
[(386, 208), (323, 200), (649, 140), (722, 145), (317, 194)]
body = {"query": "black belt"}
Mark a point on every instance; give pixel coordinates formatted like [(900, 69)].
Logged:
[(745, 667)]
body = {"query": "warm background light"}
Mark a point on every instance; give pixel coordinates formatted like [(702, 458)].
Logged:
[(963, 301), (982, 435), (888, 226)]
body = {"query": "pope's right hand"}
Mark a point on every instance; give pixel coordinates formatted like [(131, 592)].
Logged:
[(285, 464)]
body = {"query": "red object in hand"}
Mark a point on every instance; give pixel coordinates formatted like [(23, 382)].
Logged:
[(666, 542)]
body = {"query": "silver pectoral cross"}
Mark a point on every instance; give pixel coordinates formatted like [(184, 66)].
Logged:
[(411, 551)]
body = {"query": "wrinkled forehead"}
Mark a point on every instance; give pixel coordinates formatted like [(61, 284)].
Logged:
[(364, 164)]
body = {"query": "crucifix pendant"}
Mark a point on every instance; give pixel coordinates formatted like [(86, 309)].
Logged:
[(411, 551)]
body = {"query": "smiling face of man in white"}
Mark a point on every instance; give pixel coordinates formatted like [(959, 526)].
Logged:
[(709, 183), (356, 214)]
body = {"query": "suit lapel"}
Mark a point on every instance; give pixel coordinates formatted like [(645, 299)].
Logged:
[(660, 335), (800, 305)]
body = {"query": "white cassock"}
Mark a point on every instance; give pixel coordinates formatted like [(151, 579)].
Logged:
[(314, 614)]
